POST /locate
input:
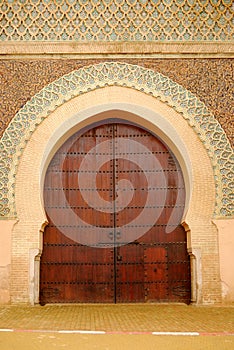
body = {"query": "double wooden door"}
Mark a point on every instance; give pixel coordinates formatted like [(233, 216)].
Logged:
[(114, 197)]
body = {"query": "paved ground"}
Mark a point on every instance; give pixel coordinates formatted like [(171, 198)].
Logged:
[(133, 326)]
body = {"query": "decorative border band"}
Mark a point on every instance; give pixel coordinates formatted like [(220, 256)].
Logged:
[(101, 75)]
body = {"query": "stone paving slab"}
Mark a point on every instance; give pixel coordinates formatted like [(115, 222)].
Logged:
[(142, 318)]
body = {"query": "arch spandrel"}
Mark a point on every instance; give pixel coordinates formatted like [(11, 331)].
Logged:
[(135, 77)]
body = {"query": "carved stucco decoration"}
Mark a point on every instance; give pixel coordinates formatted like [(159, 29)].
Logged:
[(101, 75), (116, 20)]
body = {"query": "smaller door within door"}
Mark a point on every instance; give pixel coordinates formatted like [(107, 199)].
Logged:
[(156, 273), (130, 273)]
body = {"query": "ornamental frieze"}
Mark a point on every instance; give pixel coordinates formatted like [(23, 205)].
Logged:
[(101, 75)]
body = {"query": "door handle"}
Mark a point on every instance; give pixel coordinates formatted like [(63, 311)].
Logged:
[(110, 235)]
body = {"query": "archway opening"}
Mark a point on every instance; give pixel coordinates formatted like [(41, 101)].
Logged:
[(114, 196), (160, 119)]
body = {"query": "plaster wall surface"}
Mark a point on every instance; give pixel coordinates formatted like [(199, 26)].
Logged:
[(5, 259), (226, 254)]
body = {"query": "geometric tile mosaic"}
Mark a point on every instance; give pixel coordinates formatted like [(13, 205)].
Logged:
[(116, 20)]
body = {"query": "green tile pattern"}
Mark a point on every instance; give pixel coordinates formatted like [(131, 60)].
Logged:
[(116, 20)]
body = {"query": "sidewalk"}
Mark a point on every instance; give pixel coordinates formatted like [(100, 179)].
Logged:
[(102, 326)]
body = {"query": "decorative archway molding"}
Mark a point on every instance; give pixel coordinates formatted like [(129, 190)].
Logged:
[(148, 112), (98, 76)]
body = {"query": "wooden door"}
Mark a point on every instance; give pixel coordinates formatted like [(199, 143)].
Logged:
[(71, 271), (114, 196)]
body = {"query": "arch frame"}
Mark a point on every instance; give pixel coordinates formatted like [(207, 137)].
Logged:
[(157, 117), (163, 107)]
